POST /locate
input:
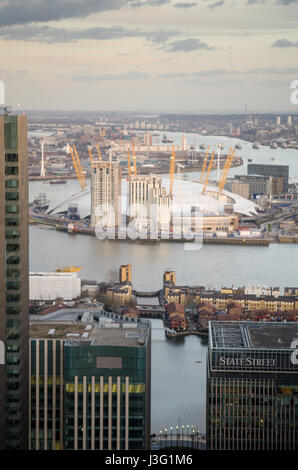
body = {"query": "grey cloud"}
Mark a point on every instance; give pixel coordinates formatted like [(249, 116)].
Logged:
[(184, 5), (28, 11), (14, 12), (226, 72), (187, 45), (217, 4), (138, 3), (50, 35), (287, 2), (134, 75), (284, 43)]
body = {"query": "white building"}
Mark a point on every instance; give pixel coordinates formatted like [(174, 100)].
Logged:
[(105, 192), (50, 286), (259, 290)]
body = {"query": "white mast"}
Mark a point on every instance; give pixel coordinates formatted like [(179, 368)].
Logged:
[(42, 169)]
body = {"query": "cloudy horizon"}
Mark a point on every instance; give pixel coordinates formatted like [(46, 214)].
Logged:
[(155, 55)]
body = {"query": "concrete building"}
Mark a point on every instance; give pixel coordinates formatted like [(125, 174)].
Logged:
[(275, 171), (259, 290), (252, 386), (238, 187), (50, 286), (106, 194), (14, 281), (90, 385), (119, 294), (125, 273), (169, 277), (148, 200)]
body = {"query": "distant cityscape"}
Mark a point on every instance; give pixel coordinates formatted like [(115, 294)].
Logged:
[(75, 364)]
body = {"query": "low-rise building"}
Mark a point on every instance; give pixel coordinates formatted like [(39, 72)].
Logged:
[(175, 316), (50, 286)]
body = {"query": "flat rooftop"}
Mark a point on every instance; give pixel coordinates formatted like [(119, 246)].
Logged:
[(263, 335), (108, 334)]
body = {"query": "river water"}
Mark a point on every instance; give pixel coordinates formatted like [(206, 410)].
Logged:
[(178, 381)]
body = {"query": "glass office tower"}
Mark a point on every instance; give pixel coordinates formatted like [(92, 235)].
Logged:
[(14, 279), (252, 386), (90, 385)]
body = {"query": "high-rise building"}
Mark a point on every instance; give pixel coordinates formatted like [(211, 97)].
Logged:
[(14, 281), (252, 386), (90, 384), (106, 193), (148, 198), (275, 171), (278, 120), (289, 121)]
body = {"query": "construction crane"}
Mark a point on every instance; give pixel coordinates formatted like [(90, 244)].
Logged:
[(226, 169), (80, 167), (70, 150), (129, 165), (172, 171), (68, 269), (204, 165), (208, 173), (134, 161)]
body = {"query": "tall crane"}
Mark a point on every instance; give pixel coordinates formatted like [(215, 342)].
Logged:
[(208, 173), (80, 166), (172, 171), (224, 176), (134, 161), (204, 165), (70, 150)]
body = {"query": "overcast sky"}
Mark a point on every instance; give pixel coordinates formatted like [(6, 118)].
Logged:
[(155, 55)]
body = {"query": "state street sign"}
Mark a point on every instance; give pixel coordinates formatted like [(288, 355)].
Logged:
[(2, 353)]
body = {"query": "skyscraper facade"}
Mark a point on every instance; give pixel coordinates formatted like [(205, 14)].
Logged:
[(14, 282), (90, 384), (106, 193), (252, 386)]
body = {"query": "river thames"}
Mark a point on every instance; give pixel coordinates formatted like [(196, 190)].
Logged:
[(178, 367)]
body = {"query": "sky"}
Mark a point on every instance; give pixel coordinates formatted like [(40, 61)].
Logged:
[(191, 56)]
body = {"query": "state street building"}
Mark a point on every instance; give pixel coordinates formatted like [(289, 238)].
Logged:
[(252, 386)]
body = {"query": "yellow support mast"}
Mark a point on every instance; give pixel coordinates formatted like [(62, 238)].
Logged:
[(224, 178), (70, 150), (80, 167), (90, 155), (204, 165), (172, 171), (98, 152), (225, 167), (208, 173)]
